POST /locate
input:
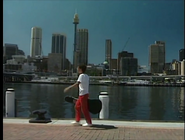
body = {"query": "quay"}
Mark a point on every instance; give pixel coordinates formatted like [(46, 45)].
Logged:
[(107, 84), (94, 80), (61, 129)]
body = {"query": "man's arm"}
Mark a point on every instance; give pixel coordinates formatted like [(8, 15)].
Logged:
[(74, 85)]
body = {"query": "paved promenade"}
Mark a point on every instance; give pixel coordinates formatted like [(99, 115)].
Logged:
[(21, 129)]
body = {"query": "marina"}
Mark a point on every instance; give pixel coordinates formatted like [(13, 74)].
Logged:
[(172, 81)]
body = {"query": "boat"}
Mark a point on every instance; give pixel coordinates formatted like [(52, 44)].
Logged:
[(122, 82), (17, 77), (106, 82), (137, 82), (47, 79)]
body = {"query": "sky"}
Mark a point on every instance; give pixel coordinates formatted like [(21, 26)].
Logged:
[(143, 21)]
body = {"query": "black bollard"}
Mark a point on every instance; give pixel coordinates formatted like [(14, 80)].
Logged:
[(40, 117)]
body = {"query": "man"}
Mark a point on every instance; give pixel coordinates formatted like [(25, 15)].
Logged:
[(82, 102)]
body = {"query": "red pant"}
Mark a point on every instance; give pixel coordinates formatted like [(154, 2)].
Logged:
[(81, 105)]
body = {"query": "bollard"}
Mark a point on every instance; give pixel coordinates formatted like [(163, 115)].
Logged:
[(10, 102), (104, 98), (15, 108), (40, 117), (4, 104)]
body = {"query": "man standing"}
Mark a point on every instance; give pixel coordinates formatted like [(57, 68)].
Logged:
[(82, 102)]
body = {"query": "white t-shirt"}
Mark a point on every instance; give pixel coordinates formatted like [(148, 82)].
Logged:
[(84, 84)]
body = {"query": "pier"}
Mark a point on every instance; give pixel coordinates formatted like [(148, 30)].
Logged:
[(60, 129)]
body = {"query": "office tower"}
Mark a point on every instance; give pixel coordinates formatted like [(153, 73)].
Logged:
[(181, 54), (59, 46), (128, 66), (157, 57), (113, 64), (36, 42), (122, 55), (76, 49), (9, 50), (82, 43), (108, 51)]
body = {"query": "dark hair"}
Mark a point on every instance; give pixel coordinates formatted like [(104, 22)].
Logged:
[(82, 67)]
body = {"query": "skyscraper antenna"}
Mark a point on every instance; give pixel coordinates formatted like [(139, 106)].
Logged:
[(76, 11)]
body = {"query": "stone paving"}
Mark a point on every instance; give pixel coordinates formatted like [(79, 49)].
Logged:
[(39, 131)]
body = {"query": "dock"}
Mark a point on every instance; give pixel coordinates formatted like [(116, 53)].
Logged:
[(61, 129)]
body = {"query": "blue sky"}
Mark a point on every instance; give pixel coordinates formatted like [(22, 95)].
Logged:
[(143, 21)]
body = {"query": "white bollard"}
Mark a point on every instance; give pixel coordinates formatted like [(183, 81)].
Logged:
[(10, 102), (104, 98)]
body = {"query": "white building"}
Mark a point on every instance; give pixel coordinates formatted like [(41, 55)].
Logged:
[(18, 64), (36, 42), (16, 59), (182, 67)]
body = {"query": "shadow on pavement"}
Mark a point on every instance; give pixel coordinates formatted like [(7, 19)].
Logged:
[(101, 127)]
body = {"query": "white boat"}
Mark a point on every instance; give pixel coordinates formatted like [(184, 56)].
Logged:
[(122, 82), (107, 82), (45, 79), (137, 82)]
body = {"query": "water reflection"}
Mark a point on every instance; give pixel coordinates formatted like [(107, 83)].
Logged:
[(157, 103), (122, 102), (181, 103), (143, 100), (128, 103)]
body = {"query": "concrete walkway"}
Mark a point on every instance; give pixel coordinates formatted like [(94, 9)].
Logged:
[(21, 129)]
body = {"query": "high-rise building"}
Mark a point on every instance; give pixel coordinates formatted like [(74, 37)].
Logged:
[(113, 64), (10, 49), (181, 54), (82, 43), (157, 57), (122, 55), (76, 49), (128, 66), (36, 42), (183, 67), (59, 46), (108, 51)]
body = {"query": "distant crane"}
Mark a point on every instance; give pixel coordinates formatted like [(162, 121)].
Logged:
[(120, 52), (126, 44)]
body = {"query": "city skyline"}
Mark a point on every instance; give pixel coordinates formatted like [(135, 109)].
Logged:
[(168, 30)]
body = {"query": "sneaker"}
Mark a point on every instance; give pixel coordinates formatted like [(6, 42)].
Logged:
[(75, 123), (87, 124)]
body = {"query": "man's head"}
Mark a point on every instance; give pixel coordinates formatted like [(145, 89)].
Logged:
[(82, 69)]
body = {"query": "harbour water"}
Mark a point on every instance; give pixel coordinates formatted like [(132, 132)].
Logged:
[(126, 102)]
